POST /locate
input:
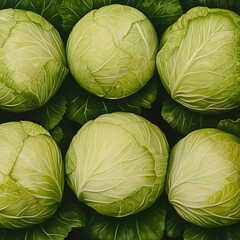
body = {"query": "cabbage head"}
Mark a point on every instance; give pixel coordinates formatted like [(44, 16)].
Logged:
[(199, 60), (31, 175), (111, 51), (33, 60), (117, 163), (203, 180)]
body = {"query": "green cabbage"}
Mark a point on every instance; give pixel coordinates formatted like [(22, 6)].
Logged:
[(31, 175), (33, 60), (111, 51), (203, 181), (117, 163), (199, 60)]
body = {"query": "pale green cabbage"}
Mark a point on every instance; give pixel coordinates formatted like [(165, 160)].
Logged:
[(31, 175), (111, 51), (199, 60), (203, 182), (32, 60), (117, 163)]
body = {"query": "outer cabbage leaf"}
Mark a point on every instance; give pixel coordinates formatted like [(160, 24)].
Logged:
[(160, 12), (68, 216), (231, 126), (83, 106), (7, 4), (233, 5), (193, 232), (185, 121), (175, 225), (63, 134), (148, 224), (58, 135), (50, 114), (73, 10), (49, 9)]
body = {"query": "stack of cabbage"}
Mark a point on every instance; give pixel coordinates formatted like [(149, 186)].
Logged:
[(199, 65), (117, 163), (104, 158), (74, 150), (33, 66)]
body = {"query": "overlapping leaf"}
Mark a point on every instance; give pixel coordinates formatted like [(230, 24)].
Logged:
[(233, 5), (185, 121), (58, 227), (48, 9), (83, 106), (148, 224), (230, 126), (160, 12)]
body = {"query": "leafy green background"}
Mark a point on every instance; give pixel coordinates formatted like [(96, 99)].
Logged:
[(72, 106)]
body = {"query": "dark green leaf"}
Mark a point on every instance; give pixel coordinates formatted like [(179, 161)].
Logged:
[(63, 134), (50, 114), (174, 224), (83, 106), (231, 126), (7, 4), (232, 232), (160, 12), (233, 5), (197, 233), (224, 233), (185, 121), (57, 134), (100, 3), (56, 228), (148, 224), (72, 10)]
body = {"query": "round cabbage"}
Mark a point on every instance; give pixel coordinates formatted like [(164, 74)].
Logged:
[(112, 50), (203, 180), (199, 60), (31, 175), (33, 60), (117, 163)]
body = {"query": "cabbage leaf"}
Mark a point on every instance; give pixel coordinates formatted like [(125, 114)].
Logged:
[(230, 126), (160, 12), (233, 5), (50, 114), (185, 121), (83, 106), (197, 233), (148, 224), (68, 216), (48, 9)]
